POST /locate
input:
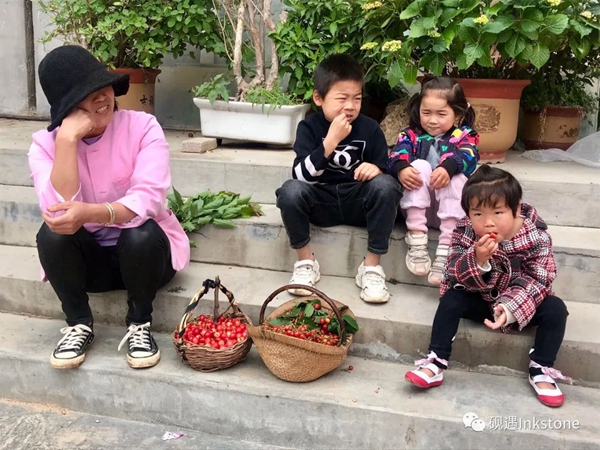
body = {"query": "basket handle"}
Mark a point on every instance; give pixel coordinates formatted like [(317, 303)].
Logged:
[(206, 286), (318, 293)]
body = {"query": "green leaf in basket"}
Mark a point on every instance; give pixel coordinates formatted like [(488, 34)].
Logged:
[(295, 312), (277, 321), (309, 310), (351, 324), (308, 321)]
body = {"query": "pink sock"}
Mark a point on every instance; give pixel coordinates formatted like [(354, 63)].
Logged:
[(416, 219), (446, 229)]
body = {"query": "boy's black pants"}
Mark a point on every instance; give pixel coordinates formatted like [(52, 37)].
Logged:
[(373, 204)]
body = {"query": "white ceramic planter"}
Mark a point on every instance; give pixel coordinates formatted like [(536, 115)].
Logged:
[(248, 122)]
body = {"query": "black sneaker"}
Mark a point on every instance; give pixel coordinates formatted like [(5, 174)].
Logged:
[(70, 350), (143, 351)]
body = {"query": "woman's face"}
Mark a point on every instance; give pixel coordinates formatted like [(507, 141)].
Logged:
[(100, 106)]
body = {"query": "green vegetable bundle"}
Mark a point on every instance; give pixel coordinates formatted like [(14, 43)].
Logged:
[(208, 207)]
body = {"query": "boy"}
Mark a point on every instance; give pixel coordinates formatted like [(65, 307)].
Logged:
[(499, 271), (338, 178)]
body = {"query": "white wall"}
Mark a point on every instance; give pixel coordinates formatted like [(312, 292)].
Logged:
[(13, 70)]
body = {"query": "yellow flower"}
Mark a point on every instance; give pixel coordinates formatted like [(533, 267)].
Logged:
[(554, 2), (588, 15), (391, 46), (372, 5), (369, 46), (482, 19)]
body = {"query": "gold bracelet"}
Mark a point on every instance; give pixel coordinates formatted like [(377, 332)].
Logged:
[(111, 211)]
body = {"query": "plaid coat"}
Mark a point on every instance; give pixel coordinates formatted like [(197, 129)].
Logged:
[(523, 268)]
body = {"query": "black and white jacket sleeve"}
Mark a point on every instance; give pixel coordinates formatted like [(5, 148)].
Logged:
[(310, 162)]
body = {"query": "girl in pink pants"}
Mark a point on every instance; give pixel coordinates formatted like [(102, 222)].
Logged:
[(433, 160)]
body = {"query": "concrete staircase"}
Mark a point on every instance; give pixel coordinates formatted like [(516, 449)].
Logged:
[(247, 402)]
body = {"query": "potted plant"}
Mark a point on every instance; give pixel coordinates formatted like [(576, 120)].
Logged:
[(554, 108), (494, 47), (133, 36), (260, 110), (316, 29)]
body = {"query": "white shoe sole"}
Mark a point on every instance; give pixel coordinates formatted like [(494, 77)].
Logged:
[(434, 281), (70, 363), (143, 363), (413, 270), (303, 292), (370, 299)]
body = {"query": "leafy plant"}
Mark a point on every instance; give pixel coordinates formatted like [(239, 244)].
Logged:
[(313, 30), (207, 207), (313, 317), (214, 89), (477, 39), (561, 91), (274, 98), (134, 33)]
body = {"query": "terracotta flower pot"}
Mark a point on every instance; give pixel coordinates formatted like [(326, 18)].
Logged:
[(496, 104), (554, 127), (141, 89)]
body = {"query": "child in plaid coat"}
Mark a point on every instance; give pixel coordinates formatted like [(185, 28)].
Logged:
[(500, 271)]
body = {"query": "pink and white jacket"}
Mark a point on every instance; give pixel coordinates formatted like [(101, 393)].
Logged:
[(129, 164), (522, 270)]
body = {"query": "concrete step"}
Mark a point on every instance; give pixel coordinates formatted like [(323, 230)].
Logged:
[(371, 407), (397, 331), (262, 242), (24, 426), (565, 193)]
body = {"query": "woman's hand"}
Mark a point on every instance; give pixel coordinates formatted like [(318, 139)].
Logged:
[(76, 214), (76, 125)]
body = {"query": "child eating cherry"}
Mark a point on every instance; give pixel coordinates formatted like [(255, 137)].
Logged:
[(500, 271)]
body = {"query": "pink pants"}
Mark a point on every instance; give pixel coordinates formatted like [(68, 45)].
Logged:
[(425, 207)]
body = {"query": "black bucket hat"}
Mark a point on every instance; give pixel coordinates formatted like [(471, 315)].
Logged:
[(69, 74)]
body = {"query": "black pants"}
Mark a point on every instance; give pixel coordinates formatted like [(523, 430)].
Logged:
[(373, 204), (550, 318), (77, 264)]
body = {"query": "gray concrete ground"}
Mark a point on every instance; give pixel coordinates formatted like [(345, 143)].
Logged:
[(261, 242), (391, 331), (26, 426), (370, 407)]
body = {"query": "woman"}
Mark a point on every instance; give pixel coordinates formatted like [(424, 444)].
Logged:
[(101, 176)]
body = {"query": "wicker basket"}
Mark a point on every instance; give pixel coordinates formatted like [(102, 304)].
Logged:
[(293, 359), (207, 359)]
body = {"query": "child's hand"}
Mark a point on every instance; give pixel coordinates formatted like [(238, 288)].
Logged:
[(439, 178), (410, 179), (339, 129), (366, 171), (499, 318), (484, 249)]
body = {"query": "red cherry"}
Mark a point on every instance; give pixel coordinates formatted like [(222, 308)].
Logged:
[(350, 367), (493, 235), (317, 306)]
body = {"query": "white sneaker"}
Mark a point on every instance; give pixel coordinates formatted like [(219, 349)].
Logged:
[(417, 257), (306, 272), (371, 279), (436, 274)]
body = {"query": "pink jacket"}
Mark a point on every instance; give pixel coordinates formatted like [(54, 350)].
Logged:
[(129, 164)]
